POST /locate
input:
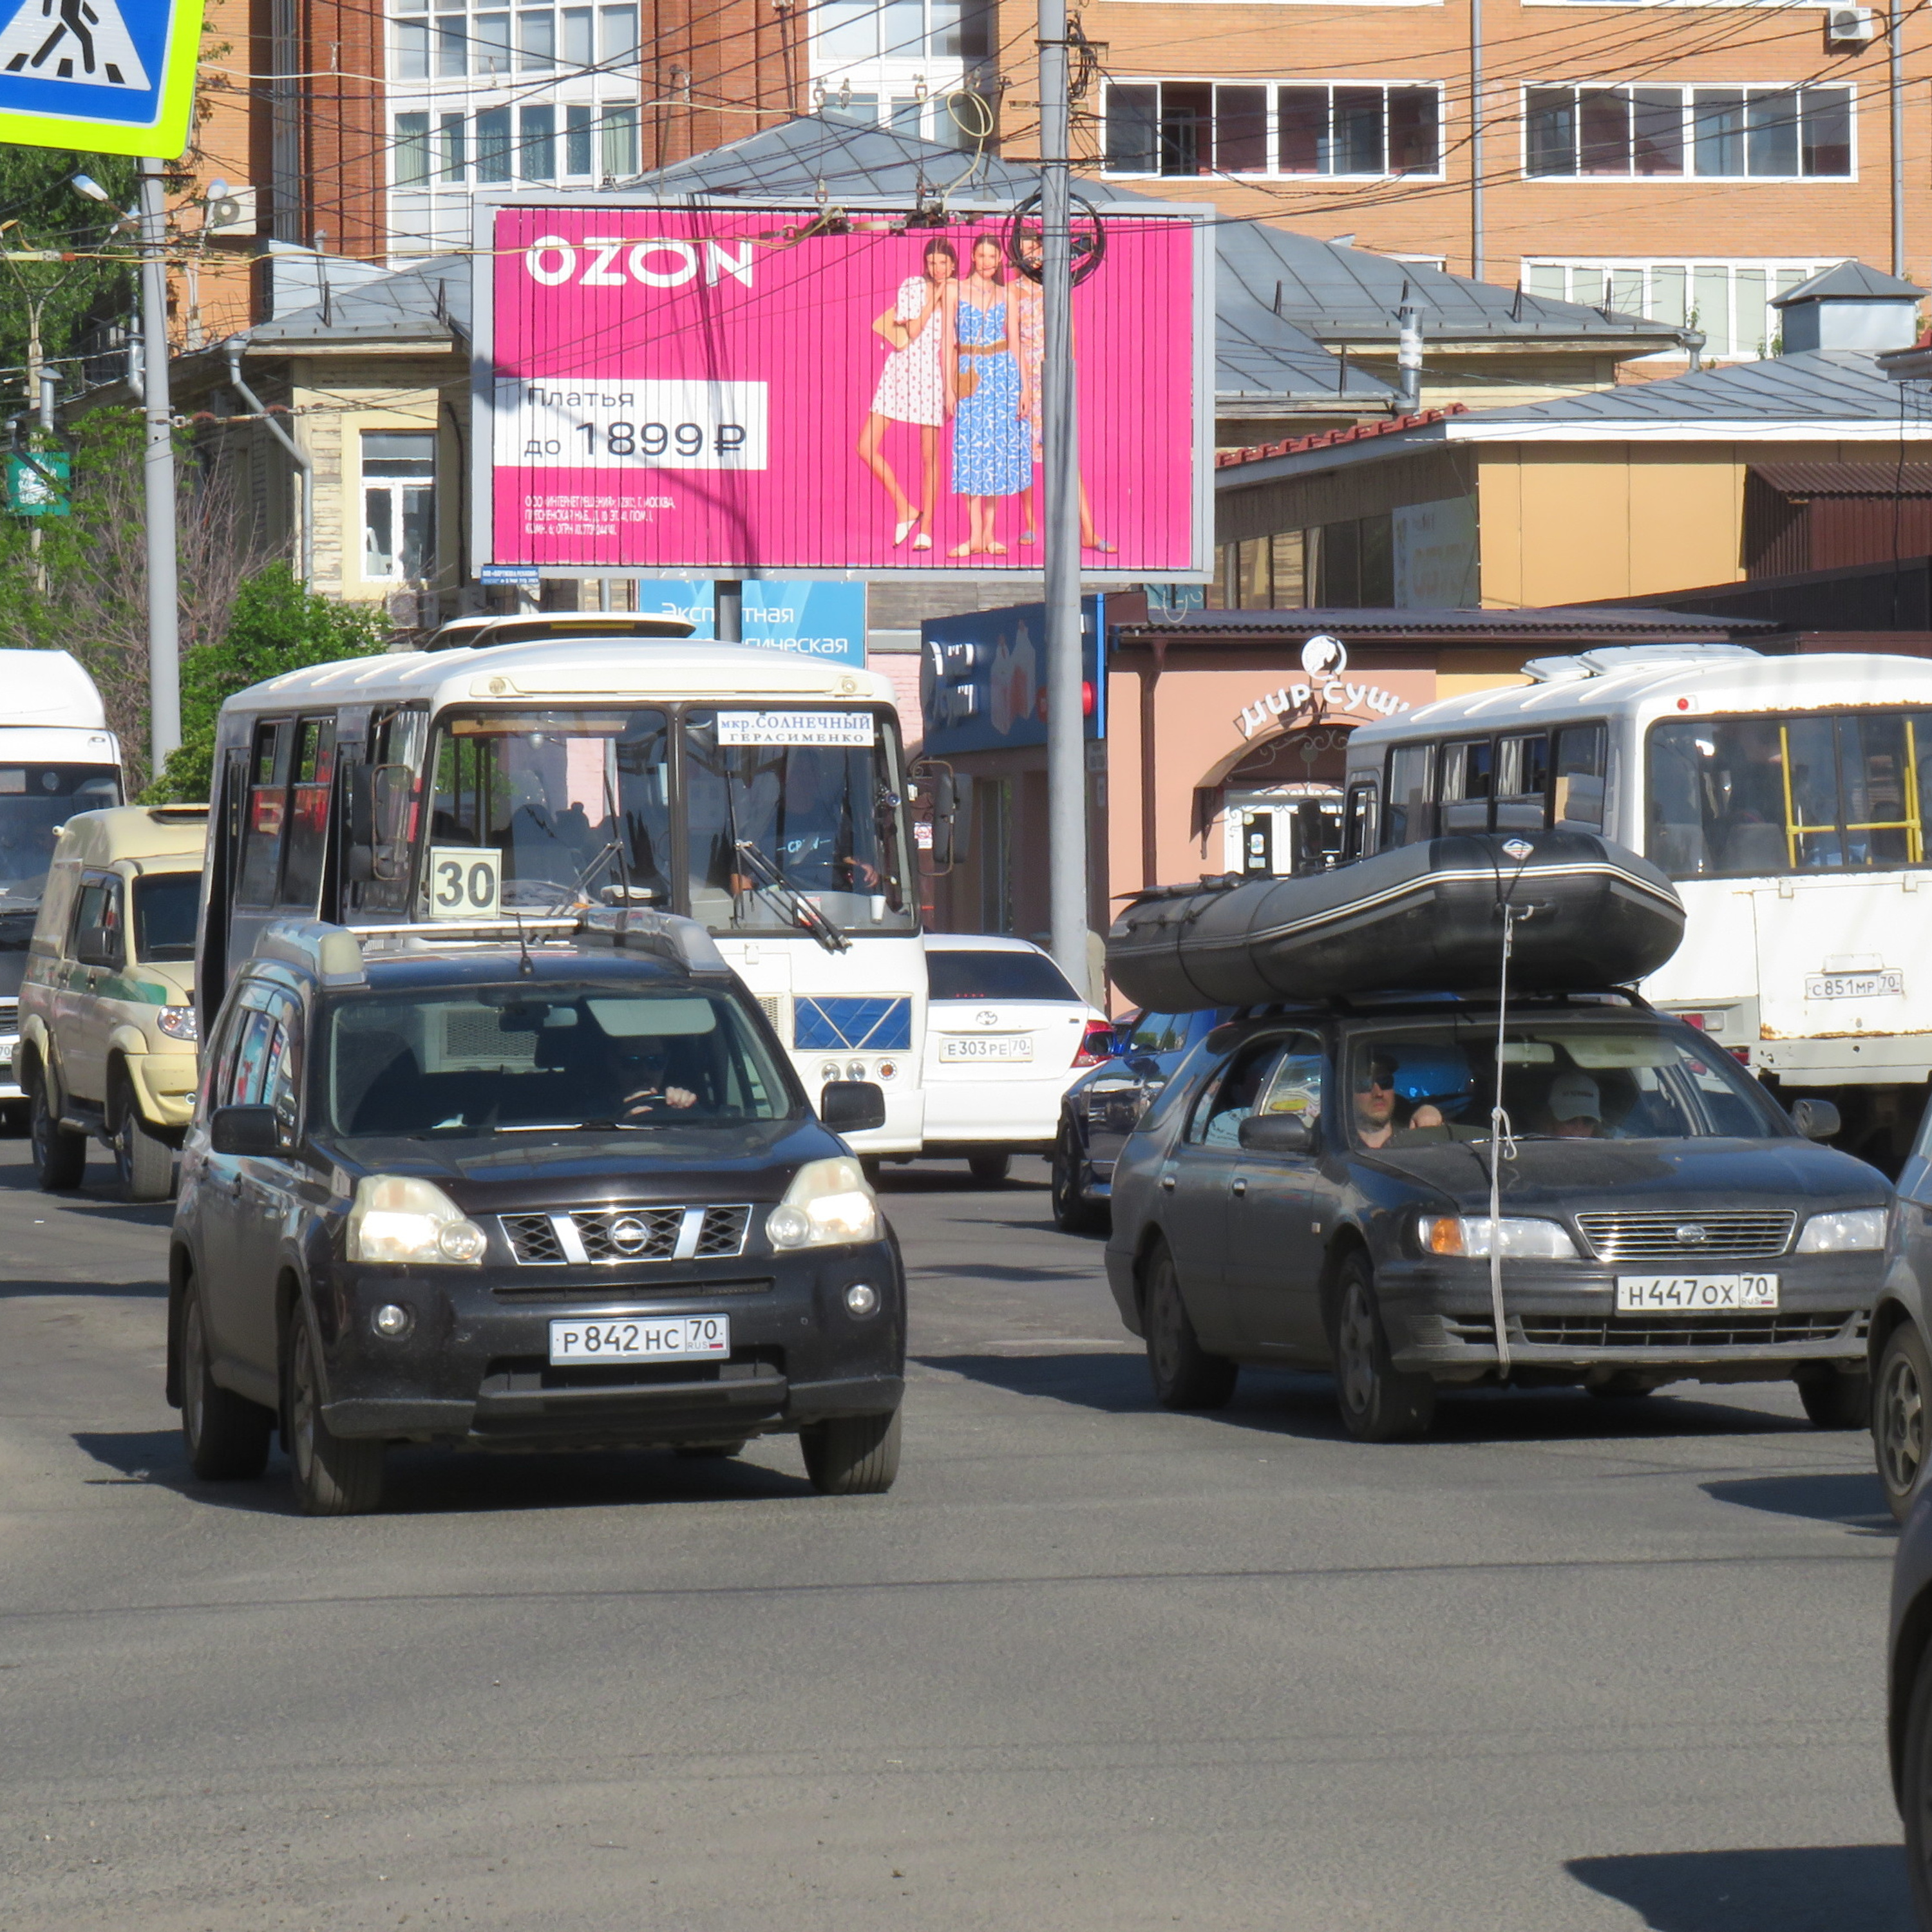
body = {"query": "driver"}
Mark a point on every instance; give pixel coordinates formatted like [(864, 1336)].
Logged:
[(812, 832), (642, 1072), (1376, 1122)]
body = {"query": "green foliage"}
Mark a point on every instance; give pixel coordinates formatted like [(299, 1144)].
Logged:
[(42, 209), (273, 625)]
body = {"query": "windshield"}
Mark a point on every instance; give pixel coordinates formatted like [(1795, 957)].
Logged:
[(1742, 797), (993, 973), (497, 1059), (581, 804), (35, 802), (165, 904), (816, 793), (1564, 1078)]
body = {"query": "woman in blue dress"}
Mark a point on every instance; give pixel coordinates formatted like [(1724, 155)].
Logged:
[(992, 443)]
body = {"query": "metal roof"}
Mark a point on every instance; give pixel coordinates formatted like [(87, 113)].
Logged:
[(1562, 621), (429, 304), (1848, 281)]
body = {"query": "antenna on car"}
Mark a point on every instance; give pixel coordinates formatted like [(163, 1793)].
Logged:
[(1502, 1135)]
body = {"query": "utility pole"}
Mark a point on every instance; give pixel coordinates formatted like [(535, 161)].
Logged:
[(163, 595), (36, 389), (1060, 442)]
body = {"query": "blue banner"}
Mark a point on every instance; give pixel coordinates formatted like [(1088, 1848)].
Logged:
[(813, 619)]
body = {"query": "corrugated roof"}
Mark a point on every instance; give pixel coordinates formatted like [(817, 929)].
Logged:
[(1820, 385), (1565, 621), (1848, 281), (430, 304), (1846, 479)]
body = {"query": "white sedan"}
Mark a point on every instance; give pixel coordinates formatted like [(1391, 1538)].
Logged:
[(1006, 1035)]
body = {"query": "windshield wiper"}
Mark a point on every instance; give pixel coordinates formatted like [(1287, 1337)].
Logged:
[(803, 912)]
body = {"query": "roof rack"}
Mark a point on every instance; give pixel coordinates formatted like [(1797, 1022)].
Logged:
[(669, 935), (477, 633)]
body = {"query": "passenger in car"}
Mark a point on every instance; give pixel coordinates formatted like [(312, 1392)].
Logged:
[(1377, 1105), (1574, 1110)]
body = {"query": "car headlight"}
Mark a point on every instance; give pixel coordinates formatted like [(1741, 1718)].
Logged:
[(398, 1218), (178, 1023), (828, 1205), (1523, 1239), (1857, 1231)]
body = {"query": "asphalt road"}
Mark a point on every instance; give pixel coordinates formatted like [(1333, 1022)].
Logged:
[(1572, 1664)]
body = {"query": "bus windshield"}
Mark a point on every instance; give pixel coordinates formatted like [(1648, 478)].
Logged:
[(1752, 797), (35, 802), (582, 806)]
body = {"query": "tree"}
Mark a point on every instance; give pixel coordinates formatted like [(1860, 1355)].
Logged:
[(273, 625), (42, 209)]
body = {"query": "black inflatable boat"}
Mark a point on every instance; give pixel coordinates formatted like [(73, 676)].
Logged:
[(1428, 915)]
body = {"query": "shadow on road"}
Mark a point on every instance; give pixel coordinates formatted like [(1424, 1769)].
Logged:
[(1277, 1403), (1812, 1889), (1857, 1500), (156, 1290)]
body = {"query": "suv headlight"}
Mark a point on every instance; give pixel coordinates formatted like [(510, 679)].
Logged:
[(827, 1205), (399, 1219), (1523, 1239), (1857, 1231), (178, 1023)]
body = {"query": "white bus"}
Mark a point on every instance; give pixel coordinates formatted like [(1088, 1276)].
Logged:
[(1789, 798), (533, 765)]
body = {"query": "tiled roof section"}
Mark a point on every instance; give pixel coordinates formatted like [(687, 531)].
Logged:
[(1562, 621), (1848, 281), (1818, 385), (1299, 445)]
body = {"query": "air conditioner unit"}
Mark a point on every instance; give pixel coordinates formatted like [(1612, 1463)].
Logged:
[(1850, 26)]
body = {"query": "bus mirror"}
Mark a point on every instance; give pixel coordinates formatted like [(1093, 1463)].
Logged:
[(945, 803), (390, 788)]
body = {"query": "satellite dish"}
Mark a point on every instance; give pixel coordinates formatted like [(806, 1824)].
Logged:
[(1324, 656)]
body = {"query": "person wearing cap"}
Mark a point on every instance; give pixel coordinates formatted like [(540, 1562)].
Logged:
[(1575, 1106)]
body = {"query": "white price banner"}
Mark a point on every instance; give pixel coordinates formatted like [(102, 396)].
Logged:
[(623, 423), (797, 728)]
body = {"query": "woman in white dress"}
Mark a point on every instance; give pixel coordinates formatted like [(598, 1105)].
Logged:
[(912, 387)]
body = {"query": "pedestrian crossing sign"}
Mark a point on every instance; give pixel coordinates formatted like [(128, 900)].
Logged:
[(103, 77)]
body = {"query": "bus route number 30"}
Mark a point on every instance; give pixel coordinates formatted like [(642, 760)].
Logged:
[(465, 882)]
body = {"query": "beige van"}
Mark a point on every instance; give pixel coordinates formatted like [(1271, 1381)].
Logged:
[(107, 1026)]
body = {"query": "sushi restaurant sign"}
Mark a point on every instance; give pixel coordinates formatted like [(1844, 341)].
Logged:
[(1338, 696)]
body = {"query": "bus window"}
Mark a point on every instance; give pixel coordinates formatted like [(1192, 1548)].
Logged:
[(1522, 784), (1360, 835), (312, 772), (1757, 797), (1410, 816), (1465, 771), (261, 832), (1581, 762)]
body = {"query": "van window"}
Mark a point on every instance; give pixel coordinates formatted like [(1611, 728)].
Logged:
[(99, 933), (1522, 784), (1466, 769), (1582, 759), (261, 827), (165, 906), (1410, 816)]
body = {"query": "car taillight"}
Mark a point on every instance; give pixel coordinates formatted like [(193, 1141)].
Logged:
[(1096, 1044)]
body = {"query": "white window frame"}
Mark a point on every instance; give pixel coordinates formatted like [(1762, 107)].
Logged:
[(1272, 85), (1781, 273), (394, 488), (1689, 178)]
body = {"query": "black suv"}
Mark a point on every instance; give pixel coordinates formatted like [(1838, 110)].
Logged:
[(1312, 1190), (552, 1194)]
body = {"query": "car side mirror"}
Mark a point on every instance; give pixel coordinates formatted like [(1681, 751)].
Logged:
[(852, 1106), (244, 1130), (1816, 1120), (1276, 1133)]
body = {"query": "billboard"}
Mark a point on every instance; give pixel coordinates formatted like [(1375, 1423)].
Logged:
[(734, 392), (808, 617), (982, 678)]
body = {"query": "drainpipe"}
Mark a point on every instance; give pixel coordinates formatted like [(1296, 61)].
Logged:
[(1478, 239), (304, 465)]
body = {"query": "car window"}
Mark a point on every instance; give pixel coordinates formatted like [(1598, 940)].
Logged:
[(1154, 1032), (97, 939), (251, 1061), (165, 906), (281, 1081), (1231, 1097), (980, 972), (1295, 1086)]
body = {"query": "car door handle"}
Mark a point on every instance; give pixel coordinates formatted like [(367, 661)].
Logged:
[(1167, 1183), (1241, 1184)]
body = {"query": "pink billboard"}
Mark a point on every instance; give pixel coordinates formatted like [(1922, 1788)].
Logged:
[(726, 392)]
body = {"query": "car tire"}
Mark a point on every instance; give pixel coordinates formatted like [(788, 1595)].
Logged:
[(1379, 1402), (226, 1435), (1183, 1374), (1915, 1789), (334, 1475), (989, 1170), (852, 1455), (1073, 1213), (13, 1119), (145, 1161), (60, 1154), (1899, 1421), (1836, 1400)]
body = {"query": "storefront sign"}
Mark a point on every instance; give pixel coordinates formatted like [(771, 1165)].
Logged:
[(982, 678), (1337, 695)]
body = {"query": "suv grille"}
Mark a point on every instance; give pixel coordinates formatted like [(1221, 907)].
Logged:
[(10, 1016), (607, 1235), (1750, 1234)]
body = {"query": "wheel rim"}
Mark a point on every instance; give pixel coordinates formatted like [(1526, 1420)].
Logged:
[(301, 1405), (1355, 1349), (194, 1366), (1902, 1432)]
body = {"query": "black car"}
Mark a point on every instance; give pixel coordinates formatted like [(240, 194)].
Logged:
[(567, 1194), (1901, 1366), (1101, 1108), (1908, 1698), (1312, 1190)]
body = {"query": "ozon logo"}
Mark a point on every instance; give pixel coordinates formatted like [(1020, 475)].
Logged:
[(616, 261)]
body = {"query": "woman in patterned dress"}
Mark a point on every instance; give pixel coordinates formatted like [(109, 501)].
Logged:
[(991, 447), (912, 385), (1030, 305)]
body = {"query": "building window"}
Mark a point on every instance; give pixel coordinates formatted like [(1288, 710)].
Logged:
[(1362, 129), (1730, 302), (398, 505), (915, 66), (412, 150), (1768, 133), (536, 144)]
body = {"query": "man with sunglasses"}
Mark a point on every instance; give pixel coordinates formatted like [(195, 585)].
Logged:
[(1376, 1123)]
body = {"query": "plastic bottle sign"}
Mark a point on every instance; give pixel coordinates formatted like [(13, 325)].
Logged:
[(465, 882), (115, 77)]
